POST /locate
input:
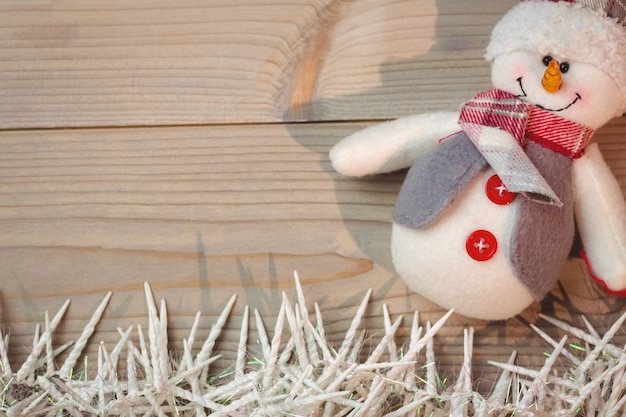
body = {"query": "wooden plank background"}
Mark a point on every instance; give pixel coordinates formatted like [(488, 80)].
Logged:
[(185, 143)]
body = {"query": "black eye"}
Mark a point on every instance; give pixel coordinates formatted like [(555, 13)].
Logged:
[(564, 67), (546, 60)]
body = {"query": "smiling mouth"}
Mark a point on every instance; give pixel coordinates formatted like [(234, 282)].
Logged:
[(578, 97)]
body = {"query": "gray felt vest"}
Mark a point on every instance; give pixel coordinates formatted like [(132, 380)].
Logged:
[(543, 234)]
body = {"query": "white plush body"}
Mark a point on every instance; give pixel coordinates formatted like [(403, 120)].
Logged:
[(433, 260)]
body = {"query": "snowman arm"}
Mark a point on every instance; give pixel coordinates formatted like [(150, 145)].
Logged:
[(394, 145), (601, 218)]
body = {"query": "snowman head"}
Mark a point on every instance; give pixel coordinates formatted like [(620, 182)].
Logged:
[(564, 56)]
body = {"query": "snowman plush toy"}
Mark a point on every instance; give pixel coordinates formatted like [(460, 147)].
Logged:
[(486, 217)]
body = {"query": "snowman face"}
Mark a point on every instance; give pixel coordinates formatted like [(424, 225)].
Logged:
[(586, 94)]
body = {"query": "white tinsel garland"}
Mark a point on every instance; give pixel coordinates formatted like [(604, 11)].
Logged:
[(300, 374)]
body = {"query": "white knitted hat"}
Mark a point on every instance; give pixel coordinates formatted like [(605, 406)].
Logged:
[(590, 31)]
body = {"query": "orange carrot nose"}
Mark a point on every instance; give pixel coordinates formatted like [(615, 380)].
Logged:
[(552, 79)]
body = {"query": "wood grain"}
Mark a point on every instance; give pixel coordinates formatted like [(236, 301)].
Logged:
[(175, 158), (135, 63)]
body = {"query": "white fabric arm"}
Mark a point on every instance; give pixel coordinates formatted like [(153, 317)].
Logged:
[(390, 146), (601, 218)]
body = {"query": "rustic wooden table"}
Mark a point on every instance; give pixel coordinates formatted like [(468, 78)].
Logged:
[(185, 143)]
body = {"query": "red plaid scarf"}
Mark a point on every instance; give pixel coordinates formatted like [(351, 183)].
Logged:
[(522, 121)]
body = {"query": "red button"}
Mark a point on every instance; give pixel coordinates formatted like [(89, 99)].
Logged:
[(497, 192), (481, 245)]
